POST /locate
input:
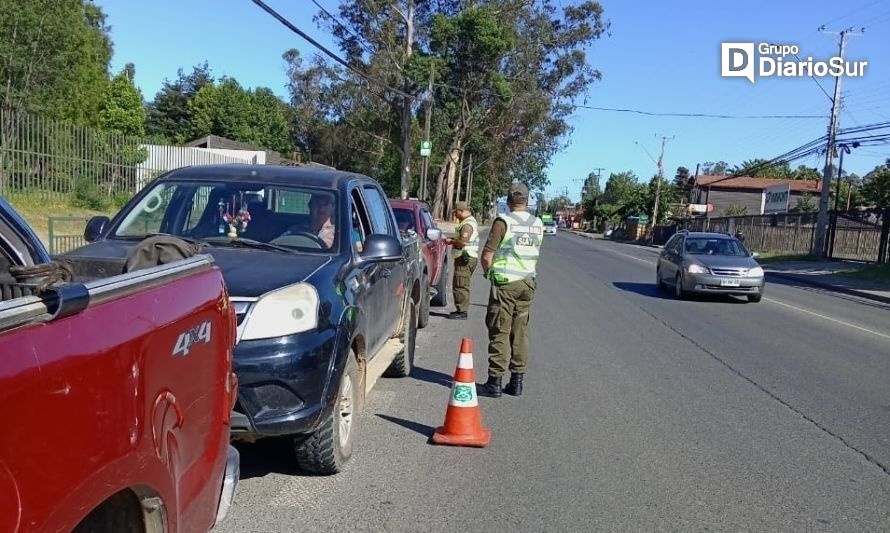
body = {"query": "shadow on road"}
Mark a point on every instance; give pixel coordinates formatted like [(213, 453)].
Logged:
[(268, 456), (426, 431), (431, 376), (646, 289), (440, 314)]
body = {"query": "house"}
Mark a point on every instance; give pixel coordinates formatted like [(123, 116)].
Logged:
[(725, 191), (228, 147)]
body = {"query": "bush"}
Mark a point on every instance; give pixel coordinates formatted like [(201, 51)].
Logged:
[(88, 196)]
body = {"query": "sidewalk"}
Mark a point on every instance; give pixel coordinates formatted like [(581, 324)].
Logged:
[(824, 274)]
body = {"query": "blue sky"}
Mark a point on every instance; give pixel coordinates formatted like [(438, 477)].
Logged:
[(660, 57)]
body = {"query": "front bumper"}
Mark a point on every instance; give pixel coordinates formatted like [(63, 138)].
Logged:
[(711, 284), (281, 383), (230, 484)]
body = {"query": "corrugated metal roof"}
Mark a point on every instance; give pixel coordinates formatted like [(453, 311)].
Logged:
[(745, 182)]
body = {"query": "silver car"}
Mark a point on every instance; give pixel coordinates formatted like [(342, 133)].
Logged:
[(709, 263)]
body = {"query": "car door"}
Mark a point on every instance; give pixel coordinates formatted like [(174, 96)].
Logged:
[(436, 248), (382, 223), (669, 259), (367, 279)]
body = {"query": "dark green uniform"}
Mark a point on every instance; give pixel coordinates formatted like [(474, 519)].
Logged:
[(465, 261), (515, 240)]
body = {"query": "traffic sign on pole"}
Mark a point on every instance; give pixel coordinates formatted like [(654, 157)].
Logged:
[(426, 148)]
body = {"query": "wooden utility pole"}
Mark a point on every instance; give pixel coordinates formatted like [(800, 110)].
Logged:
[(408, 16), (424, 171)]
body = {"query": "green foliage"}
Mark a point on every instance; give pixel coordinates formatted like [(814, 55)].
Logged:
[(168, 115), (228, 110), (736, 211), (667, 195), (876, 186), (54, 57), (122, 111), (806, 204)]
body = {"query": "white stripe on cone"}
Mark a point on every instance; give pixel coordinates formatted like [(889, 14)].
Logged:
[(465, 361), (463, 395)]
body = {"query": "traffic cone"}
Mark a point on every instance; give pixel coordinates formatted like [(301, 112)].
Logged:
[(463, 423)]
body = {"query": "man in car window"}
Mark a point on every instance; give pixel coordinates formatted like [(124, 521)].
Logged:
[(321, 208)]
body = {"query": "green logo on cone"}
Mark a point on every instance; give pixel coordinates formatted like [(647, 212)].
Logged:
[(463, 393)]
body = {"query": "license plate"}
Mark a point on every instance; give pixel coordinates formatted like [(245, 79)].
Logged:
[(729, 283)]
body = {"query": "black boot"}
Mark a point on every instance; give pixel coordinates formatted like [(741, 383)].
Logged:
[(491, 389), (514, 388), (458, 315)]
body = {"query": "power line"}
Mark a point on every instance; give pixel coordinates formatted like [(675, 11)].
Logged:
[(694, 115), (327, 52), (344, 26)]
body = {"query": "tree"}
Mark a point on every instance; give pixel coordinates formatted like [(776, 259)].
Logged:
[(168, 115), (666, 197), (805, 204), (623, 196), (876, 186), (762, 168), (736, 211), (122, 111), (54, 57), (714, 169), (228, 110)]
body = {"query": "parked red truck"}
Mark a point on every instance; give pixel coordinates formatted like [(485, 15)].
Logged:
[(116, 392), (414, 215)]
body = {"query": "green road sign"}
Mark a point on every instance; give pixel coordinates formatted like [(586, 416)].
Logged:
[(426, 148)]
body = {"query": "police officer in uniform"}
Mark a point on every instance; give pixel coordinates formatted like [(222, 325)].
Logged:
[(465, 246), (509, 261)]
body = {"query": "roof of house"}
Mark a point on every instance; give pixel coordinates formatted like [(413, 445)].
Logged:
[(759, 184), (215, 141)]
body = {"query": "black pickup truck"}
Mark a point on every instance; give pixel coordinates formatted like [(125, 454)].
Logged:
[(324, 287)]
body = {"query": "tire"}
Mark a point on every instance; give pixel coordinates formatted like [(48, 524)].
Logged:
[(754, 298), (403, 363), (327, 450), (423, 315), (658, 281), (679, 291), (441, 298)]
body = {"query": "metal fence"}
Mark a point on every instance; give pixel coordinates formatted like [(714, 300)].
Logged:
[(52, 160), (66, 234)]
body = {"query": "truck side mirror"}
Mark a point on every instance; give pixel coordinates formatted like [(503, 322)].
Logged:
[(95, 228), (381, 248), (434, 234)]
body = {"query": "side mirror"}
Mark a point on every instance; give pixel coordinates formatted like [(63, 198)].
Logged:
[(434, 234), (381, 248), (95, 228)]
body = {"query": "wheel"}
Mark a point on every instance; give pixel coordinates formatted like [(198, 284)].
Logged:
[(441, 298), (403, 363), (327, 450), (679, 291), (658, 281), (423, 315), (754, 298)]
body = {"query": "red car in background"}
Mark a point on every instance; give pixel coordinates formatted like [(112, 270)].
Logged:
[(414, 215)]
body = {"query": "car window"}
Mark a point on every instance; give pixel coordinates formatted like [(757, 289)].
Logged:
[(378, 212), (361, 225), (404, 218), (427, 220), (714, 246)]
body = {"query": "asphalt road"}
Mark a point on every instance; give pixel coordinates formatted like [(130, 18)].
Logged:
[(641, 413)]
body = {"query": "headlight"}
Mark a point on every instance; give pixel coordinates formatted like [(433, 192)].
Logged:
[(756, 272), (290, 310), (696, 269)]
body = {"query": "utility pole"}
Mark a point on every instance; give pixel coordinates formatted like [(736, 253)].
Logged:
[(822, 219), (660, 178), (406, 104), (469, 179), (424, 171)]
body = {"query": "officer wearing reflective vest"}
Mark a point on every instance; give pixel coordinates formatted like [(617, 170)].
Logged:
[(509, 261), (465, 251)]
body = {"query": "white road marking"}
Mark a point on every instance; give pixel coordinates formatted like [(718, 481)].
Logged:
[(841, 322)]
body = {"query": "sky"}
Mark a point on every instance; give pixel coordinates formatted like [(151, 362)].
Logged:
[(661, 57)]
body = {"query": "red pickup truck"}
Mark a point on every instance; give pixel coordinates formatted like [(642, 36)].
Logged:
[(116, 392), (414, 215)]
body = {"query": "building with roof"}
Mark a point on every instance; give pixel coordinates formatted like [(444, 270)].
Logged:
[(228, 147), (725, 191)]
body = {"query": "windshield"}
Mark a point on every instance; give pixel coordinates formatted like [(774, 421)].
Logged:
[(549, 223), (715, 246), (289, 217)]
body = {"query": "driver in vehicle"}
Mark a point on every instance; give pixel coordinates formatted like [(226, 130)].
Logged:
[(320, 225)]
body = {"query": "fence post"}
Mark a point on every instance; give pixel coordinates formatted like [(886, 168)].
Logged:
[(883, 255)]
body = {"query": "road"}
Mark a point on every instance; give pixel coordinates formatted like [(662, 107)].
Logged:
[(641, 413)]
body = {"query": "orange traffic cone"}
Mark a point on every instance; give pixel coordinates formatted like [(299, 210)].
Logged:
[(463, 423)]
